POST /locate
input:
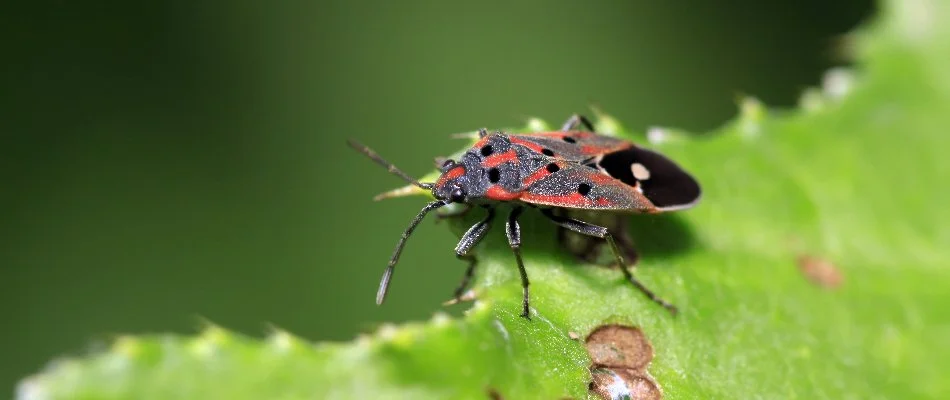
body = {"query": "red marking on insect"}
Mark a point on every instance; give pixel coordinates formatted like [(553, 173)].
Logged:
[(566, 169), (498, 159), (602, 178), (481, 142), (570, 200), (498, 193), (588, 149), (535, 176), (533, 146), (453, 173)]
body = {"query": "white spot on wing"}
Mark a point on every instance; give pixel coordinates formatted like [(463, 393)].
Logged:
[(640, 172)]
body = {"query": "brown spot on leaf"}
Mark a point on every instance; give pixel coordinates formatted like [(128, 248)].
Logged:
[(619, 357), (618, 346), (820, 271), (624, 383), (494, 395)]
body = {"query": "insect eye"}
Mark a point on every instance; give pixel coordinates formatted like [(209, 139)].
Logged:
[(457, 196), (448, 163)]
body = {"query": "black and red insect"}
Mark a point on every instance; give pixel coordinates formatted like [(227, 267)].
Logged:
[(568, 169)]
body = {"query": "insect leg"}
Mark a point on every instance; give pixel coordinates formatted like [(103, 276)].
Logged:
[(587, 253), (469, 240), (576, 120), (601, 232), (513, 231), (625, 242), (388, 274)]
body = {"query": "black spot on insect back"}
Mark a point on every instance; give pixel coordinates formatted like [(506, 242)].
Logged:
[(583, 189), (569, 139), (552, 168), (487, 150), (547, 152), (494, 175)]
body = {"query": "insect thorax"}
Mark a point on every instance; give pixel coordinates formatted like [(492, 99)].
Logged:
[(493, 164)]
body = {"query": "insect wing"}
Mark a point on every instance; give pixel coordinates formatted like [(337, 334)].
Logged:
[(573, 146), (667, 186), (575, 185)]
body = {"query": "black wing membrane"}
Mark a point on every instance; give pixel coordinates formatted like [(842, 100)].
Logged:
[(662, 181)]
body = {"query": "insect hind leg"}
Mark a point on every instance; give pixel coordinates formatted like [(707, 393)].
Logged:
[(584, 248), (588, 248), (601, 232), (625, 243), (576, 120)]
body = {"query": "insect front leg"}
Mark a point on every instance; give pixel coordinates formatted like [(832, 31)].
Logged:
[(601, 232), (466, 244), (575, 120), (513, 231)]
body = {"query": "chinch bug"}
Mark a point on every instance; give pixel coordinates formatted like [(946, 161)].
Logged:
[(552, 171)]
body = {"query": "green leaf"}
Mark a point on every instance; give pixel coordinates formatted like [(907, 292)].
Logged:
[(853, 182)]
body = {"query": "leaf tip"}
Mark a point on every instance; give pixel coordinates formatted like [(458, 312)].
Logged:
[(283, 341), (209, 341), (752, 112), (127, 346), (535, 124), (837, 83), (441, 319), (606, 124)]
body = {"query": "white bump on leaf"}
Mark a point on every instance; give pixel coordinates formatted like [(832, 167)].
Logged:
[(441, 319), (657, 134), (282, 341), (751, 112), (811, 100), (537, 125), (837, 82), (387, 331), (31, 389)]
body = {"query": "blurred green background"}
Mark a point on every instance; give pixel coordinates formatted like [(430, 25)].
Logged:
[(169, 162)]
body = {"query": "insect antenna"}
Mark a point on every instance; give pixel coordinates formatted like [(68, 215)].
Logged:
[(388, 274), (386, 164)]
